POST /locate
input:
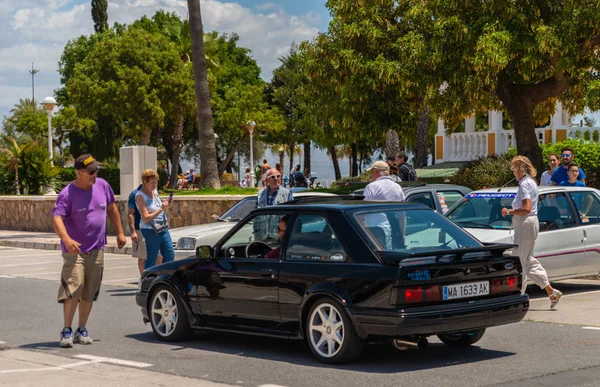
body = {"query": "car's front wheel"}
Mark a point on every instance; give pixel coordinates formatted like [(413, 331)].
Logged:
[(330, 333), (462, 339), (167, 315)]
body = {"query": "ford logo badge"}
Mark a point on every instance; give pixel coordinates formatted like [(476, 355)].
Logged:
[(509, 266)]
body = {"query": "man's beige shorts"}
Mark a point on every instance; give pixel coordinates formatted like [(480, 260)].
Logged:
[(81, 276), (139, 250)]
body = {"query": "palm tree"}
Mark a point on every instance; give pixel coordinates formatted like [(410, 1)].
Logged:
[(14, 153)]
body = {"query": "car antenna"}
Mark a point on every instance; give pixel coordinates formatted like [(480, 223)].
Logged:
[(506, 184)]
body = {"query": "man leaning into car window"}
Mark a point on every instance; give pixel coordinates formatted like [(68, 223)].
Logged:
[(266, 226)]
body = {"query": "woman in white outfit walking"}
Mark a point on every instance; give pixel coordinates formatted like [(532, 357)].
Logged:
[(526, 226)]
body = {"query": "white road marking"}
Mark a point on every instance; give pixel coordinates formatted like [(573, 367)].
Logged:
[(7, 276), (592, 328), (98, 359), (271, 385), (59, 368), (565, 295)]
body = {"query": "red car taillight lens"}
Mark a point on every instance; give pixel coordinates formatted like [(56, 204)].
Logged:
[(421, 294), (506, 284)]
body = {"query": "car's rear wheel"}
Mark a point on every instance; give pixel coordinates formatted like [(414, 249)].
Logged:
[(167, 315), (330, 333), (462, 339)]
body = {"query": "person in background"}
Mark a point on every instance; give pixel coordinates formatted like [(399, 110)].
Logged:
[(79, 219), (526, 225), (263, 172), (546, 178), (573, 173), (154, 223), (560, 174), (245, 183), (274, 254), (407, 171), (190, 179), (274, 194), (137, 239), (394, 174)]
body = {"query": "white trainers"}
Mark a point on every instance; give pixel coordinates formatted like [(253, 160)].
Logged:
[(554, 298), (82, 337), (66, 338)]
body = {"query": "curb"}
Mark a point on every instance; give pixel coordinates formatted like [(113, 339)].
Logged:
[(56, 246)]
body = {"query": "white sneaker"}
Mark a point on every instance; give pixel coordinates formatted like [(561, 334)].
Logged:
[(66, 338), (554, 298), (82, 337)]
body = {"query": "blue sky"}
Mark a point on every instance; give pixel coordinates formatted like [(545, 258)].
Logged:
[(37, 31)]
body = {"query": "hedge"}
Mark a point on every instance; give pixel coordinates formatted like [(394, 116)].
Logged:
[(111, 175)]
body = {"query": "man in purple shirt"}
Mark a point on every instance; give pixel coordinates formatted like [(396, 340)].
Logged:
[(79, 219)]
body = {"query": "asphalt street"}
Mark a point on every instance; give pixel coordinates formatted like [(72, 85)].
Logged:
[(555, 348)]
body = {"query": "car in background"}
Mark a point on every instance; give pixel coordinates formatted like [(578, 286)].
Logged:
[(337, 279), (568, 244), (440, 197), (185, 239)]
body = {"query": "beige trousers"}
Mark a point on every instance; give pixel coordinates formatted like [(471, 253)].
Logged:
[(526, 230)]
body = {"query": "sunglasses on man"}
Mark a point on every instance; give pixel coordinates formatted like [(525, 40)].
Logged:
[(566, 155)]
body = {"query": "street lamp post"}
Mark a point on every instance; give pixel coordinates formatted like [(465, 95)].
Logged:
[(49, 104), (250, 125)]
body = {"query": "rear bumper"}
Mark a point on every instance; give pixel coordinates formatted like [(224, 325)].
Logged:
[(441, 318)]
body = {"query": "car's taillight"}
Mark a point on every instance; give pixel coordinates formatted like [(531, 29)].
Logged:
[(421, 294), (506, 284)]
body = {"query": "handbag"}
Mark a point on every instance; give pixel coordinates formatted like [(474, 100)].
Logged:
[(159, 226)]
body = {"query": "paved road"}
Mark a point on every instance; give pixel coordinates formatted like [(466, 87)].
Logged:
[(565, 348)]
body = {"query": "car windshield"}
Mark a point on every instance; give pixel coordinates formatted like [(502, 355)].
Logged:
[(239, 211), (483, 210), (412, 231)]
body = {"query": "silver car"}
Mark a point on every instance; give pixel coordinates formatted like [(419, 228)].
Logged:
[(185, 239)]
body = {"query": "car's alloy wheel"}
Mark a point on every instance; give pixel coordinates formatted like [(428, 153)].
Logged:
[(330, 332), (167, 316)]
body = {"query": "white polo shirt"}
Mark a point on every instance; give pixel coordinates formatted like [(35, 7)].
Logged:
[(384, 189), (528, 189)]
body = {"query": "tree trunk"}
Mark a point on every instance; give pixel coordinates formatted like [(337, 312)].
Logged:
[(422, 148), (307, 156), (177, 140), (209, 173), (145, 139), (17, 188), (281, 162), (291, 156), (520, 101), (354, 160), (392, 143), (229, 157), (336, 163)]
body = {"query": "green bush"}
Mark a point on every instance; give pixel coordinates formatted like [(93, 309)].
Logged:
[(491, 171), (586, 155)]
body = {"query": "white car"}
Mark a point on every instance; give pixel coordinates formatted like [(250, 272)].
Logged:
[(568, 244), (185, 239)]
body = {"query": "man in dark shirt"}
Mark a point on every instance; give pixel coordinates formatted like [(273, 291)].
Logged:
[(274, 254), (562, 173)]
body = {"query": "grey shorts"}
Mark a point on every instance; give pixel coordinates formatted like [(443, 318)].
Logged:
[(139, 249)]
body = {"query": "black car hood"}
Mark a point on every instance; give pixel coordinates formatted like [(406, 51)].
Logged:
[(181, 264)]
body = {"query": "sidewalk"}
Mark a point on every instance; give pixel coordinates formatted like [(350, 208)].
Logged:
[(50, 241)]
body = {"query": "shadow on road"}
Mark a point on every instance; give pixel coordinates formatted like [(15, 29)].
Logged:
[(376, 358), (573, 287)]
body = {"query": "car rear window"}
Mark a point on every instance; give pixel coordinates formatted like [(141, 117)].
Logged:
[(411, 231)]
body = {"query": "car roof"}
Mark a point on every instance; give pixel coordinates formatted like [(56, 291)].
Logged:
[(541, 189)]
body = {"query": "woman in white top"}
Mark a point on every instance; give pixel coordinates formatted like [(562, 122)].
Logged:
[(554, 162), (526, 226)]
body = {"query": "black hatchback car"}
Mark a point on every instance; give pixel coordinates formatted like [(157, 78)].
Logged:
[(440, 197), (336, 274)]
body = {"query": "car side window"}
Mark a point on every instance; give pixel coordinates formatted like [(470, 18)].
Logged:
[(312, 239), (448, 199), (588, 205), (255, 239), (423, 198), (555, 212)]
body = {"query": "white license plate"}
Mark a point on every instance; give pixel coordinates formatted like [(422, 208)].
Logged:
[(471, 289)]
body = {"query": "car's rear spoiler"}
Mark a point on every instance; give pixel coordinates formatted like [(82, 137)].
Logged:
[(452, 254)]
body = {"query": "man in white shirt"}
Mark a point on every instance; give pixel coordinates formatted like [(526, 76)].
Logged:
[(382, 188)]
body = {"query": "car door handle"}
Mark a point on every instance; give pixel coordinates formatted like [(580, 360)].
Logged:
[(267, 273)]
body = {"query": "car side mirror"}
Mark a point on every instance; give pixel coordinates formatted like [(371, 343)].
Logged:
[(204, 252)]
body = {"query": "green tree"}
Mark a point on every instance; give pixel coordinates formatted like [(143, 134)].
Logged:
[(27, 117), (100, 15), (13, 151), (209, 175)]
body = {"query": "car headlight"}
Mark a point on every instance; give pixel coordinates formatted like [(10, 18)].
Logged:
[(186, 244)]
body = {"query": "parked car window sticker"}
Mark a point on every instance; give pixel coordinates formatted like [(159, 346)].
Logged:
[(262, 229), (554, 209), (588, 205), (423, 198), (448, 199), (312, 239), (413, 231)]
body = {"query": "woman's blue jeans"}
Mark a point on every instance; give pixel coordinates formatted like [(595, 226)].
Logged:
[(155, 243)]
